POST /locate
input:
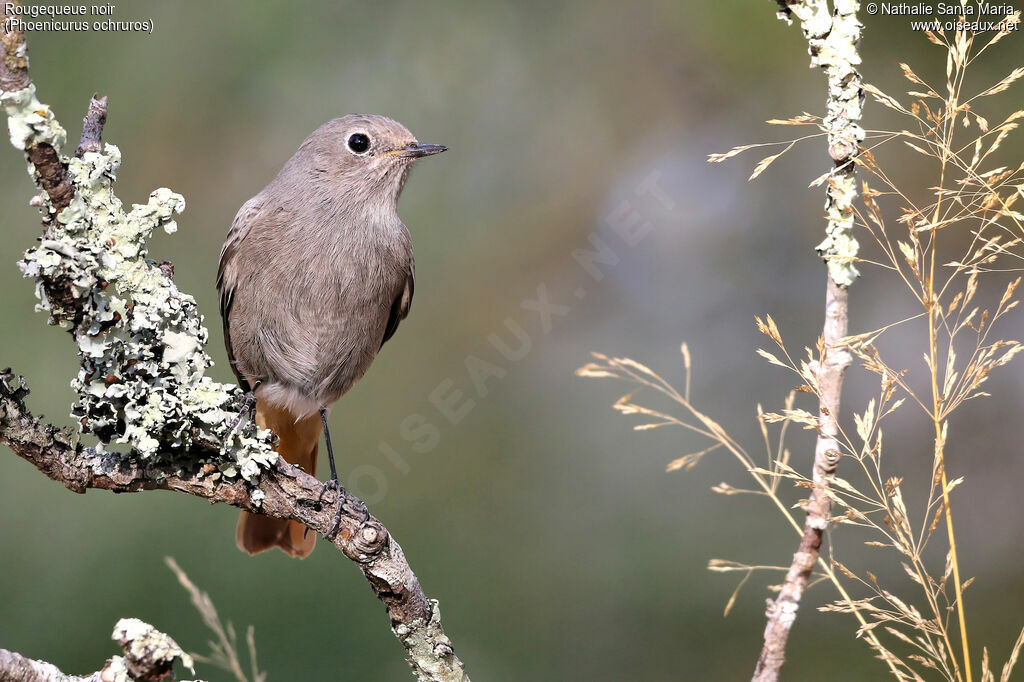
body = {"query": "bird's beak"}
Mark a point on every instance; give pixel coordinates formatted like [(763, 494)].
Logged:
[(416, 150)]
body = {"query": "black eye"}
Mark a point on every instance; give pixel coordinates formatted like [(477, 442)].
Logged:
[(358, 143)]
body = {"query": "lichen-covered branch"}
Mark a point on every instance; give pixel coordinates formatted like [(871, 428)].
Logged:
[(833, 36), (142, 382), (283, 491), (149, 656), (833, 39)]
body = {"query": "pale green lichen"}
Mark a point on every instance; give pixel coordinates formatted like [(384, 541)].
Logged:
[(29, 121), (143, 379), (143, 642), (256, 497), (840, 247), (832, 37), (431, 655)]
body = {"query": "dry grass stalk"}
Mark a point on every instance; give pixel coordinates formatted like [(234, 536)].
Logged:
[(224, 650)]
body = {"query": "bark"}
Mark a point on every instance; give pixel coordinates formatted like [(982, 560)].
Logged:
[(92, 126), (833, 36), (149, 656), (782, 611)]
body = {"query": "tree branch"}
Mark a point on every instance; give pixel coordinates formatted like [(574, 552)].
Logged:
[(143, 377), (833, 37), (16, 668), (284, 492), (149, 657)]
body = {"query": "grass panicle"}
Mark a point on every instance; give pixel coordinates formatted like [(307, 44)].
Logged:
[(963, 294)]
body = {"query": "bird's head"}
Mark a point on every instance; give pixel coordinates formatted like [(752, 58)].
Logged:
[(365, 157)]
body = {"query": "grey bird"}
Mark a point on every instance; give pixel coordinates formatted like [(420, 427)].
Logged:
[(315, 275)]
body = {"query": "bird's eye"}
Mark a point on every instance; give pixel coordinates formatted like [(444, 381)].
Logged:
[(359, 143)]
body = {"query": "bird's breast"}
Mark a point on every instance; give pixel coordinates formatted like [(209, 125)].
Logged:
[(337, 305)]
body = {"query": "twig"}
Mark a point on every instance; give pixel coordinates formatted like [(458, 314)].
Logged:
[(833, 38), (782, 611), (14, 77), (92, 126), (143, 379), (16, 668), (149, 656), (14, 65)]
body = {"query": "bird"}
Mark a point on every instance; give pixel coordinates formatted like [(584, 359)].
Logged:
[(315, 275)]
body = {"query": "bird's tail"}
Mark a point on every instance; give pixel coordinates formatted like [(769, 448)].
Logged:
[(299, 439)]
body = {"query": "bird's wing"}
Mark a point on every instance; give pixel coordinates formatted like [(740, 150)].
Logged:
[(227, 274), (402, 303)]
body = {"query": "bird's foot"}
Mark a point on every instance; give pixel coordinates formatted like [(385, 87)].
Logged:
[(248, 409), (335, 486)]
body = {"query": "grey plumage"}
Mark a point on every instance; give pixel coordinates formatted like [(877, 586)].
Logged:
[(315, 275), (317, 270)]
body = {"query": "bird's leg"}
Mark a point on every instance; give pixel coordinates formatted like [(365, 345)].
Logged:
[(333, 484), (330, 451), (247, 407)]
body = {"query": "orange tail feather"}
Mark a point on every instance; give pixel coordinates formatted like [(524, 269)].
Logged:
[(299, 441)]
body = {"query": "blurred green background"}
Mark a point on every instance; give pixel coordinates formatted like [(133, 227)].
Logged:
[(556, 543)]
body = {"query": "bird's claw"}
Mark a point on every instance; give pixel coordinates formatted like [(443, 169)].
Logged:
[(248, 408), (334, 485), (335, 524)]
